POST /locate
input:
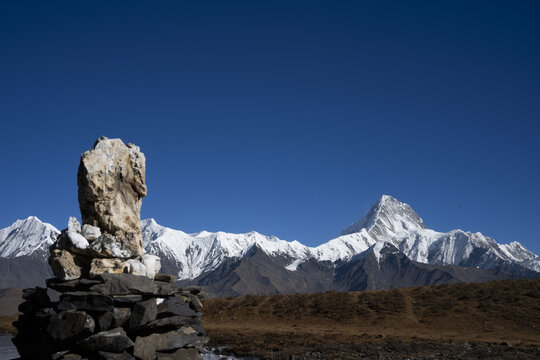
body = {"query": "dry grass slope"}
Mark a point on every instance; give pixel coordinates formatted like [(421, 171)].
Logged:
[(506, 313)]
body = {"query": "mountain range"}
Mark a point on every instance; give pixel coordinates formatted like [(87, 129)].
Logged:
[(389, 247)]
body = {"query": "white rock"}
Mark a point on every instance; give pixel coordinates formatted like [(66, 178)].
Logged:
[(78, 242), (135, 267), (152, 263), (90, 232), (107, 246), (74, 225)]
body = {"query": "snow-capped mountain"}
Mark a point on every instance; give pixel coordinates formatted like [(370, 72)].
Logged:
[(25, 237), (390, 233), (389, 220), (194, 254)]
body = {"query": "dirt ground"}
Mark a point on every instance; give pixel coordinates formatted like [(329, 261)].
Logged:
[(496, 320)]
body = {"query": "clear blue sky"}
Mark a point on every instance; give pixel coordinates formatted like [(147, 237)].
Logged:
[(289, 118)]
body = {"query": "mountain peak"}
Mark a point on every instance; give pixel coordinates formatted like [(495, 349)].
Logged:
[(387, 215)]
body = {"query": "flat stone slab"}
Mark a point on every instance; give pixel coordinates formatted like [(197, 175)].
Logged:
[(81, 284), (146, 347), (166, 278), (85, 300), (175, 306), (114, 340)]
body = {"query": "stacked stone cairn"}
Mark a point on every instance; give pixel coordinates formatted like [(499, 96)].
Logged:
[(108, 300)]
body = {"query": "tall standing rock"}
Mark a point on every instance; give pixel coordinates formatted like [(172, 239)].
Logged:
[(111, 187)]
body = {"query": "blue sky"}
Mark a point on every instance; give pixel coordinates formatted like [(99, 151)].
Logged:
[(289, 118)]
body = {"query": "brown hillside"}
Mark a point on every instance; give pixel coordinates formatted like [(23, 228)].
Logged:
[(506, 313)]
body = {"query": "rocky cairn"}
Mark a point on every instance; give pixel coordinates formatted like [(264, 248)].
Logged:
[(108, 299)]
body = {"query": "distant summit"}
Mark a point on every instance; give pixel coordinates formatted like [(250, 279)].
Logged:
[(387, 216)]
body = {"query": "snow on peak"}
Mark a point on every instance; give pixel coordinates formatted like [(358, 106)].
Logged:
[(23, 237), (388, 217), (194, 254), (389, 224)]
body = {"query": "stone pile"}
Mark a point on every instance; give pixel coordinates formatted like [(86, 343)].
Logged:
[(108, 300), (115, 316)]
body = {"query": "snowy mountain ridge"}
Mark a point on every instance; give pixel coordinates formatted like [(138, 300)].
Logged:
[(388, 222), (25, 237)]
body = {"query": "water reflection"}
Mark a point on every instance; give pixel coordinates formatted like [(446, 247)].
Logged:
[(7, 349)]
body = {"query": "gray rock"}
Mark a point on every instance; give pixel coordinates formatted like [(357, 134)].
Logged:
[(58, 355), (111, 186), (199, 343), (70, 326), (105, 321), (71, 356), (38, 296), (166, 278), (178, 306), (142, 313), (192, 289), (121, 316), (83, 300), (126, 299), (63, 265), (146, 347), (90, 232), (114, 340), (125, 284), (195, 303), (180, 354), (166, 289), (173, 322), (81, 284), (103, 355)]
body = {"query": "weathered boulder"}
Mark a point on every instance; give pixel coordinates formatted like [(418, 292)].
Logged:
[(110, 266), (111, 181), (114, 340), (63, 265), (90, 232), (70, 326), (106, 246), (146, 346)]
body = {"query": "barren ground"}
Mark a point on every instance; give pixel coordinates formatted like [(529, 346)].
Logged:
[(495, 320)]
